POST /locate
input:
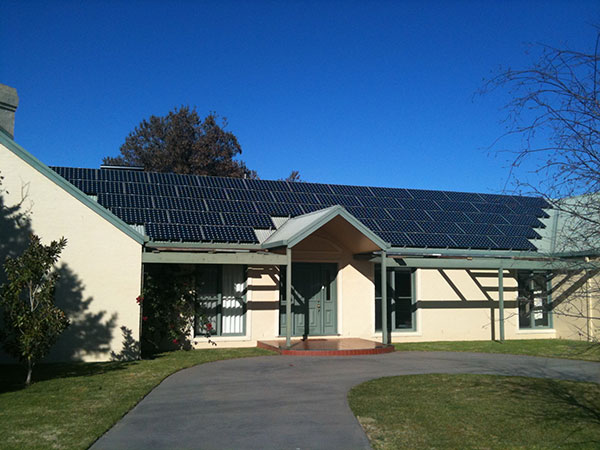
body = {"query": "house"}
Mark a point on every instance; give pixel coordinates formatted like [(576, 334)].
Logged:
[(281, 259)]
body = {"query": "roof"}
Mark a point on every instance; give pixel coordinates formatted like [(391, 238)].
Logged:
[(27, 157), (193, 208), (295, 230)]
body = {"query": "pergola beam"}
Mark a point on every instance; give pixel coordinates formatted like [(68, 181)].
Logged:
[(247, 258)]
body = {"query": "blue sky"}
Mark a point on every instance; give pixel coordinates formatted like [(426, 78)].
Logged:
[(372, 92)]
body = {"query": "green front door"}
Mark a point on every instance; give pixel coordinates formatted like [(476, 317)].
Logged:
[(314, 300)]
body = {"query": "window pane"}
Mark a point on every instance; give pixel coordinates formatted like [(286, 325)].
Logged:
[(400, 308), (524, 313), (403, 313), (403, 287), (533, 299), (233, 300)]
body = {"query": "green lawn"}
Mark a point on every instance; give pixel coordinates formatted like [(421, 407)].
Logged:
[(553, 348), (71, 405), (477, 412)]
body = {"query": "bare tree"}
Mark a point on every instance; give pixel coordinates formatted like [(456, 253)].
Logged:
[(555, 111)]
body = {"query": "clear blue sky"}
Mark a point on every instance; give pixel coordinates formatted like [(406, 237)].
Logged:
[(370, 92)]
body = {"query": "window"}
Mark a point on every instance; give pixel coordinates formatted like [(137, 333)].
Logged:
[(220, 292), (401, 305), (534, 305)]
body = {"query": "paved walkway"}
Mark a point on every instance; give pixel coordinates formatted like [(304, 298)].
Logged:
[(287, 402)]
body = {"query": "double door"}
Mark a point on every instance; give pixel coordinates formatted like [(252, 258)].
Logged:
[(314, 305)]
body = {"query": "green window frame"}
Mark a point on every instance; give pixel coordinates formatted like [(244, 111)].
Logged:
[(218, 297), (401, 301), (534, 301)]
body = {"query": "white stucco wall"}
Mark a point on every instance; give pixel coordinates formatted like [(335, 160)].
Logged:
[(100, 266)]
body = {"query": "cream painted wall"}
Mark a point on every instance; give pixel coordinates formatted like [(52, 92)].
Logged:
[(101, 265), (577, 311), (453, 304)]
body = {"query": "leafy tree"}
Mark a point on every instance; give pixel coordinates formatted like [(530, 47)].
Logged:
[(182, 142), (169, 309), (32, 322), (554, 112)]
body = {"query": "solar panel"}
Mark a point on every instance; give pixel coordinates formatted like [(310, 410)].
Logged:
[(269, 185), (344, 200), (485, 218), (390, 192), (201, 192), (371, 224), (118, 175), (496, 208), (262, 221), (472, 241), (395, 238), (440, 227), (360, 212), (163, 231), (479, 228), (279, 209), (164, 190), (430, 240), (410, 214), (310, 208), (456, 206), (89, 187), (295, 197), (534, 202), (229, 206), (178, 203), (249, 195), (350, 190), (124, 201), (173, 206), (191, 233), (378, 202), (229, 234), (313, 188), (512, 243), (220, 182), (417, 204), (399, 225), (464, 197), (421, 194), (140, 216), (531, 221), (518, 230), (195, 217)]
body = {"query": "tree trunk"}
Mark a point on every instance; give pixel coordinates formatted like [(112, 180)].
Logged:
[(29, 371)]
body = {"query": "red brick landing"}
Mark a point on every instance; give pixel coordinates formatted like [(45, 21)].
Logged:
[(327, 347)]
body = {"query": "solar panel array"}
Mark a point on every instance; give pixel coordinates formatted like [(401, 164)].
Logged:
[(192, 208)]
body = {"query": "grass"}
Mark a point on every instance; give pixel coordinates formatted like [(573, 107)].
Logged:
[(72, 405), (553, 348), (477, 412)]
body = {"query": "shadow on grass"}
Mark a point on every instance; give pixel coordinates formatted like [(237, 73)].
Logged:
[(574, 404), (12, 376)]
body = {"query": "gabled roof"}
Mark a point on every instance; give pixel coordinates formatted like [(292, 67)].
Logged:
[(299, 228), (19, 151), (203, 209)]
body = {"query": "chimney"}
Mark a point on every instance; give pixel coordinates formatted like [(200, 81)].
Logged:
[(9, 100)]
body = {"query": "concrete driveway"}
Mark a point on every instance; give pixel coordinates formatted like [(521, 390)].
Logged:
[(287, 402)]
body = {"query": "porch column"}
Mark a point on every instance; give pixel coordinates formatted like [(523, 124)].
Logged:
[(501, 301), (384, 324), (288, 298)]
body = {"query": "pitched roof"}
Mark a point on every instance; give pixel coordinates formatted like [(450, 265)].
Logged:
[(192, 208), (27, 157)]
